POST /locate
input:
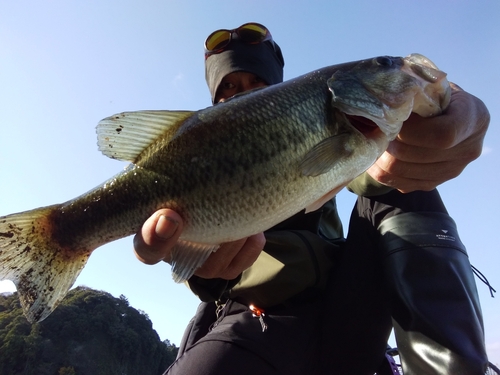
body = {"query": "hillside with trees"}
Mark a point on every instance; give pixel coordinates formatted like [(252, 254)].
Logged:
[(91, 332)]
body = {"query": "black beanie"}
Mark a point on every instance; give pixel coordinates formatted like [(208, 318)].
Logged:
[(263, 59)]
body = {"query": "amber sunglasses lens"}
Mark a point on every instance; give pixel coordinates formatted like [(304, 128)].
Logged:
[(217, 40), (252, 33)]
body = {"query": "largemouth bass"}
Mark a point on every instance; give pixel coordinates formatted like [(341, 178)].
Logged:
[(231, 170)]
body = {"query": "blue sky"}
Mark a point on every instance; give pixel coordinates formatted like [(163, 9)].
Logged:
[(67, 64)]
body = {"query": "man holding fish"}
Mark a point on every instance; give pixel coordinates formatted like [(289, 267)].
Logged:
[(300, 299)]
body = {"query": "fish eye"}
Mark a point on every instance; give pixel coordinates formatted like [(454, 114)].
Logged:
[(384, 61)]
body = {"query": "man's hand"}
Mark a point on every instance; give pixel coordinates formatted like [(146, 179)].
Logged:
[(430, 151), (158, 236), (160, 233)]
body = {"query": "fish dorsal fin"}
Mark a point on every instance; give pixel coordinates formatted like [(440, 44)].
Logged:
[(187, 257), (125, 135), (322, 157)]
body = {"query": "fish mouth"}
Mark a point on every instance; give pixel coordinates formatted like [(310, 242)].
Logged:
[(365, 126)]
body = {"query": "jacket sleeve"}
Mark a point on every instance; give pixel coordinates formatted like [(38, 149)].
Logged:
[(364, 185), (293, 261), (298, 255)]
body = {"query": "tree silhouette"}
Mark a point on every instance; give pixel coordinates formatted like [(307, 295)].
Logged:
[(91, 332)]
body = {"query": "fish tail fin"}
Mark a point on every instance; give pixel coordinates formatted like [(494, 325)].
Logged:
[(42, 270)]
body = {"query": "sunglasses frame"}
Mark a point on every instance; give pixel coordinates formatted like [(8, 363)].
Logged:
[(232, 33)]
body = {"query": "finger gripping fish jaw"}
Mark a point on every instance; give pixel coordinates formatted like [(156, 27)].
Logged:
[(435, 92), (386, 90)]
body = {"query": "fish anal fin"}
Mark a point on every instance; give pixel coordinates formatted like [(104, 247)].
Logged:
[(323, 157), (41, 270), (125, 135), (187, 257)]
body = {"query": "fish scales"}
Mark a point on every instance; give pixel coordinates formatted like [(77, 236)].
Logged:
[(231, 170), (237, 161), (244, 160), (105, 205)]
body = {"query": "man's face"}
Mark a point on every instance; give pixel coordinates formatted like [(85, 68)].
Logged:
[(237, 82)]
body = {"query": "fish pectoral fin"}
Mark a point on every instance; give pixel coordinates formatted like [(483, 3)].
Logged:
[(125, 135), (42, 271), (187, 257), (322, 157)]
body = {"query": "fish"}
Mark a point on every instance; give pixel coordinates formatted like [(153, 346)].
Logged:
[(231, 170)]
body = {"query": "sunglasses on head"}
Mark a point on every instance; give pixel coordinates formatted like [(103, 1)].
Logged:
[(249, 33)]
